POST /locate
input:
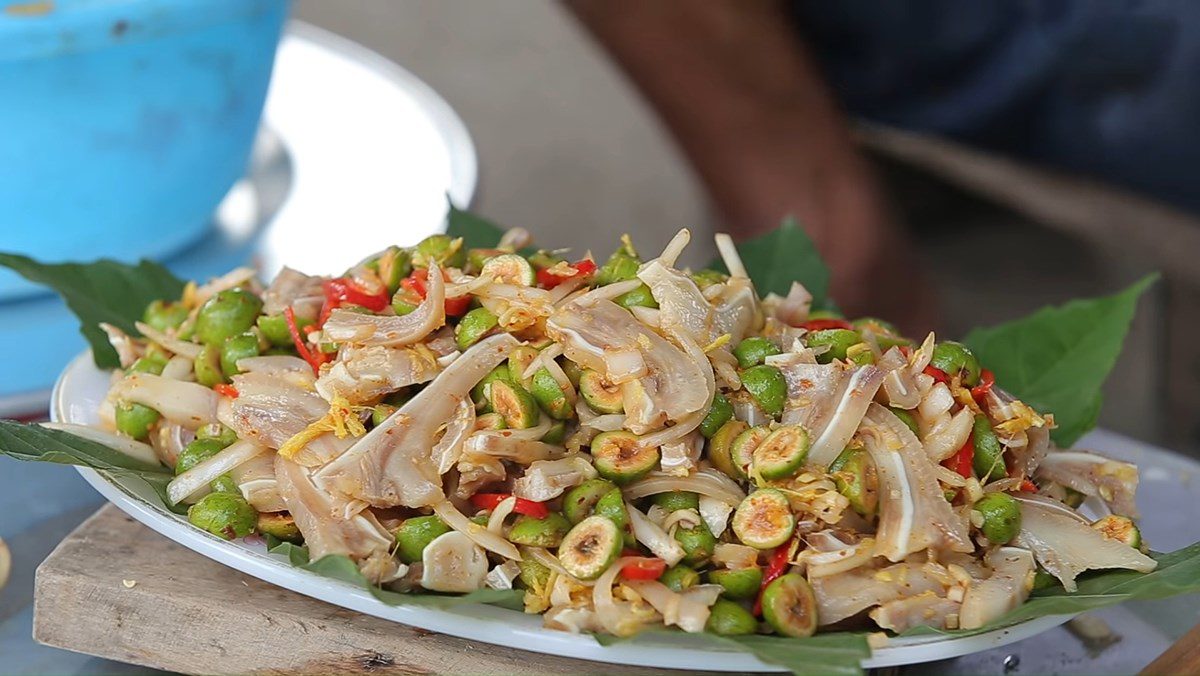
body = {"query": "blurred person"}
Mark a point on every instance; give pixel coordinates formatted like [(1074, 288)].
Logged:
[(757, 92)]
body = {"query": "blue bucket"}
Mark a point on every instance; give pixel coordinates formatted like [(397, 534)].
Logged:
[(124, 122)]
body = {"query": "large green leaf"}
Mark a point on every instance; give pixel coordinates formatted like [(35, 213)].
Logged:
[(102, 291), (33, 442), (1057, 359), (477, 232), (837, 653), (784, 255), (340, 567), (1178, 572)]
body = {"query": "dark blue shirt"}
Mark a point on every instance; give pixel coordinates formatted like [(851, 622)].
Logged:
[(1105, 88)]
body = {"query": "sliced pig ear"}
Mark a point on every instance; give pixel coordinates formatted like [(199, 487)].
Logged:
[(391, 465), (1112, 481), (989, 599), (346, 326), (829, 400), (598, 333), (913, 515), (319, 516), (1065, 545), (547, 479)]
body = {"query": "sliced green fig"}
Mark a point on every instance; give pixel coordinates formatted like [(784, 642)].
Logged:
[(619, 457), (590, 547), (781, 453), (790, 607), (764, 520)]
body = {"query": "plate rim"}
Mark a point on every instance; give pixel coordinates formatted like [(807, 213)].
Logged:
[(493, 625)]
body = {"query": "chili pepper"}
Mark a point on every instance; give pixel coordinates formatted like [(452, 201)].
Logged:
[(226, 390), (416, 284), (1028, 486), (962, 460), (986, 380), (644, 569), (314, 360), (776, 567), (937, 374), (824, 324), (343, 290), (548, 280), (416, 281), (489, 501), (456, 307)]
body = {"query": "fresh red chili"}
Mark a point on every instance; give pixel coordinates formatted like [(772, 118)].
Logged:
[(314, 359), (1028, 486), (824, 324), (548, 280), (776, 567), (343, 290), (962, 460), (489, 501), (644, 569), (226, 390), (416, 284), (937, 374), (986, 380)]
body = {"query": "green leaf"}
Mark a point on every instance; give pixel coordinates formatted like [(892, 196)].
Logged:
[(838, 653), (1178, 573), (782, 256), (103, 291), (833, 653), (1057, 358), (477, 232), (340, 567), (31, 442), (26, 441)]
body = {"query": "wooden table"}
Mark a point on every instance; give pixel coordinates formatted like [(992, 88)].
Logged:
[(148, 601)]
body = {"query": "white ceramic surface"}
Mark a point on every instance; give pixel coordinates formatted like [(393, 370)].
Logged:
[(82, 386), (375, 152)]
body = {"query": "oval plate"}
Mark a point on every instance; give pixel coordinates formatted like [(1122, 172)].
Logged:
[(81, 388)]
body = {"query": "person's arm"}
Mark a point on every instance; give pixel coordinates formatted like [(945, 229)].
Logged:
[(750, 110)]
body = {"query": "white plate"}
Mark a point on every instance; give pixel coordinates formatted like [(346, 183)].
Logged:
[(82, 386)]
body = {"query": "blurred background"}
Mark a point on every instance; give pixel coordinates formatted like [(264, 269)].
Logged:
[(584, 120), (986, 161), (570, 149), (140, 134)]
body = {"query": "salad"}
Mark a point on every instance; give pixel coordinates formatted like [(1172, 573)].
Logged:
[(627, 443)]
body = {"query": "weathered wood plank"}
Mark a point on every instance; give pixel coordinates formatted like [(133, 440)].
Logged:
[(187, 613)]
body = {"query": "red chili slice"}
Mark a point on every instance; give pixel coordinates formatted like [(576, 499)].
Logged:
[(776, 567), (963, 460), (490, 501), (314, 360), (644, 569), (548, 280), (937, 374), (823, 324)]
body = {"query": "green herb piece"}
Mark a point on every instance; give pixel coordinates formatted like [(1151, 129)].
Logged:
[(103, 291), (1057, 359), (477, 232)]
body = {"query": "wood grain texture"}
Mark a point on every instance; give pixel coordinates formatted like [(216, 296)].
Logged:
[(189, 614), (1181, 659)]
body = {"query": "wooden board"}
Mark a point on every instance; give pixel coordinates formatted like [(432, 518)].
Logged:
[(118, 590)]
